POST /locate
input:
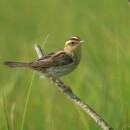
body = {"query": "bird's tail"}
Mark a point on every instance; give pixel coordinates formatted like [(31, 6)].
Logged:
[(17, 64)]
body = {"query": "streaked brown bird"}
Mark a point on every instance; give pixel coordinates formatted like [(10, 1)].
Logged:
[(56, 64)]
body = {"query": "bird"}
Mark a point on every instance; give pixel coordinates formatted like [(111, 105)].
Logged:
[(56, 64)]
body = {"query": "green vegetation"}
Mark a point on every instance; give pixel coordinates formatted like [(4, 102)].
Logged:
[(102, 79)]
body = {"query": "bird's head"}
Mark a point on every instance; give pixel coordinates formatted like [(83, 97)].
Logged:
[(73, 45)]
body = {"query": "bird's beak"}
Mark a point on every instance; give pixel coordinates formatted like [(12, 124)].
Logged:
[(81, 41)]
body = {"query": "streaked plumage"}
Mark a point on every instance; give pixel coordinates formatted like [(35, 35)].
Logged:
[(57, 64)]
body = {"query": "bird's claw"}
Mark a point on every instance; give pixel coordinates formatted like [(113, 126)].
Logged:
[(67, 89)]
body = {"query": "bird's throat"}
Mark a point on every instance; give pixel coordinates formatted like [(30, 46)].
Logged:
[(75, 51)]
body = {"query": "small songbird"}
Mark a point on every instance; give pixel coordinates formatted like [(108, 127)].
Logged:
[(56, 64)]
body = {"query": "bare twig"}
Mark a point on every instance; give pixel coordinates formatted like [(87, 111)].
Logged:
[(75, 99), (39, 51)]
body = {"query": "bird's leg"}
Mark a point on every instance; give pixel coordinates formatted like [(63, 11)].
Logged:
[(51, 79)]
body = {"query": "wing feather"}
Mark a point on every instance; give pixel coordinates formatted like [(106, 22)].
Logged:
[(53, 59)]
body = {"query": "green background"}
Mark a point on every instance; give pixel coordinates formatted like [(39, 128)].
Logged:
[(102, 79)]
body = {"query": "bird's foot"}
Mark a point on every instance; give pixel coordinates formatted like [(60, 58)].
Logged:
[(67, 89)]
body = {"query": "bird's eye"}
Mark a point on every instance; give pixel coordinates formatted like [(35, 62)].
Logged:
[(72, 43)]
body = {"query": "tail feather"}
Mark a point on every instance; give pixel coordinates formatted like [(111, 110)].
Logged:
[(17, 64)]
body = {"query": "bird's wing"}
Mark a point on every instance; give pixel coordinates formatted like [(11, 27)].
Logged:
[(53, 59), (62, 58)]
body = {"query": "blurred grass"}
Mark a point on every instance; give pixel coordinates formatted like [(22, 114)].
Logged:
[(101, 80)]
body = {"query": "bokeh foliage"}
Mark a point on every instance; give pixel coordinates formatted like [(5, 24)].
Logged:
[(101, 80)]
